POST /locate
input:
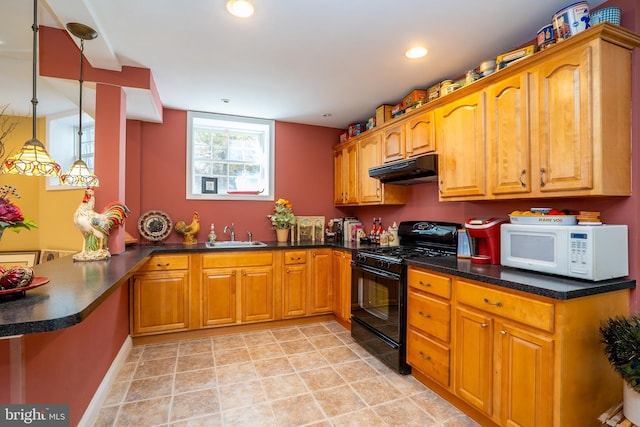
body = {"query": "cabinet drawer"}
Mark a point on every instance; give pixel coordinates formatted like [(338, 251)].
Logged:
[(427, 282), (428, 357), (530, 312), (237, 259), (429, 315), (295, 257), (166, 262)]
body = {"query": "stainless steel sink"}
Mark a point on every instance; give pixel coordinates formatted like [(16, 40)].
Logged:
[(235, 244)]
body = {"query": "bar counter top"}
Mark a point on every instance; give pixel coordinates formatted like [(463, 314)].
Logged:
[(75, 289)]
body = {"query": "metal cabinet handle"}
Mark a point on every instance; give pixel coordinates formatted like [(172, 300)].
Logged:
[(542, 172), (428, 285), (162, 265), (428, 316), (503, 332), (497, 304), (424, 356), (522, 174), (484, 325)]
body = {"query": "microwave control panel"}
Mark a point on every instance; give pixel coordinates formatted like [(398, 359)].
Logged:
[(580, 248)]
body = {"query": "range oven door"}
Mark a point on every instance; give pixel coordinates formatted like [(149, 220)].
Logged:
[(378, 313)]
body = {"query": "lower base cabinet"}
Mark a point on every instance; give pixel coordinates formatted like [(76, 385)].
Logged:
[(516, 359), (341, 271)]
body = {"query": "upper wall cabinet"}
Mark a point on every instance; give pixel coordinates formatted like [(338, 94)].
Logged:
[(409, 138)]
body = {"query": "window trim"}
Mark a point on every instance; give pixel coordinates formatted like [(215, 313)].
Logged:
[(189, 160)]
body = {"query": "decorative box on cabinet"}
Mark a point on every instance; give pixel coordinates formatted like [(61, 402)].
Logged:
[(160, 294)]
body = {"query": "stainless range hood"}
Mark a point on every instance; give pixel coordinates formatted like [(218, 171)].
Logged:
[(415, 170)]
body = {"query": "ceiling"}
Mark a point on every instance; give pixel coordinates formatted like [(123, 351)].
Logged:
[(319, 62)]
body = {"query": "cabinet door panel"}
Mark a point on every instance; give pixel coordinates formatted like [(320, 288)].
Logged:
[(321, 293), (420, 135), (160, 302), (370, 155), (393, 143), (527, 377), (219, 297), (429, 315), (339, 176), (509, 138), (474, 355), (428, 357), (294, 296), (461, 142), (257, 294), (566, 128)]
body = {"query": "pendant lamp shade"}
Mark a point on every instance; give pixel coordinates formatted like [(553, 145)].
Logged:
[(32, 159), (79, 175)]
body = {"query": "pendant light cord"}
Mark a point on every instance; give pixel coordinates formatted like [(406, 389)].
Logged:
[(80, 102), (34, 100)]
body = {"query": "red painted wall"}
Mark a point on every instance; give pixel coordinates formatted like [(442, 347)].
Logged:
[(304, 175)]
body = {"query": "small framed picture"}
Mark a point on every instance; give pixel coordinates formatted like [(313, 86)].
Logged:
[(23, 258), (209, 185)]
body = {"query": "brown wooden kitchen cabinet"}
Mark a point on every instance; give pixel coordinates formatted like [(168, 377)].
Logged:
[(429, 324), (371, 190), (462, 146), (345, 173), (321, 287), (295, 283), (393, 143), (409, 138), (515, 358), (160, 294), (237, 287), (341, 271)]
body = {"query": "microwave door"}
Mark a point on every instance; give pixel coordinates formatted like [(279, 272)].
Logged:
[(536, 249)]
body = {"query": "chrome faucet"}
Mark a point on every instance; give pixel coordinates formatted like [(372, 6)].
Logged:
[(231, 231), (250, 235)]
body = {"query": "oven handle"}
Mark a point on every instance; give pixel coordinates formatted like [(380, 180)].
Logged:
[(382, 273)]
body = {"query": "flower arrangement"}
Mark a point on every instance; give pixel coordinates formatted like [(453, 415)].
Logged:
[(11, 216), (283, 216)]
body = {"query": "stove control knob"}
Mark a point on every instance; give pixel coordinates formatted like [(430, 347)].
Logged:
[(361, 257)]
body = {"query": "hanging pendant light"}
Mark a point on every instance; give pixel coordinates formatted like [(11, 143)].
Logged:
[(32, 159), (80, 175)]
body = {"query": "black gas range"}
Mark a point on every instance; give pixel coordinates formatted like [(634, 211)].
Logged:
[(379, 287)]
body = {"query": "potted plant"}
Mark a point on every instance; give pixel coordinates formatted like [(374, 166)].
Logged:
[(282, 219), (621, 337)]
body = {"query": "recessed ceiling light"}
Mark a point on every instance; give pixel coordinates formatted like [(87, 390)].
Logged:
[(240, 8), (225, 100), (326, 115), (416, 52)]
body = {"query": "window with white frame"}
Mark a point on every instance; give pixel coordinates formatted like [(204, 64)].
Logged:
[(62, 143), (229, 157)]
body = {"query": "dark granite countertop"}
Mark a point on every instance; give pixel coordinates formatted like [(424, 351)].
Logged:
[(77, 288), (556, 287)]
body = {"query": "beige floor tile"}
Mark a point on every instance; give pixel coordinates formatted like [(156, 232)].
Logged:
[(325, 341), (296, 346), (116, 393), (195, 346), (259, 415), (155, 368), (232, 374), (159, 351), (144, 412), (195, 361), (135, 354), (355, 371), (297, 411), (213, 420), (376, 390), (306, 361), (321, 378), (148, 388), (287, 334), (314, 330), (231, 356), (242, 394), (107, 416), (195, 404), (403, 412), (226, 342), (364, 417), (435, 405), (194, 380), (339, 400), (259, 338), (126, 371), (273, 367), (265, 351), (339, 354), (283, 386)]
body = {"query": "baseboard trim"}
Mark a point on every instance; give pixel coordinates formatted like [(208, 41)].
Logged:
[(91, 413)]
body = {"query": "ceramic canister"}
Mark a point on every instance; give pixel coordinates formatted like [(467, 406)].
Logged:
[(546, 36), (571, 20)]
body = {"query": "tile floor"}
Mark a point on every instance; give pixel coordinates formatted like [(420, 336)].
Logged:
[(308, 375)]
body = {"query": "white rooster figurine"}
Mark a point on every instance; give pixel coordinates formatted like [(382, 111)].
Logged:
[(95, 227)]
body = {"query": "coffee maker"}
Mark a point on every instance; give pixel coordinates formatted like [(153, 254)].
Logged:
[(485, 239)]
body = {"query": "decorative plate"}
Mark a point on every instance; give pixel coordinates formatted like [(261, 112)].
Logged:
[(155, 225), (36, 282)]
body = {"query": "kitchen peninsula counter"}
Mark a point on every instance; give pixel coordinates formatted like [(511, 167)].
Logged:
[(76, 289)]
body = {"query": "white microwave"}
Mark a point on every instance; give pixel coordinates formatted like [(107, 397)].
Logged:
[(589, 252)]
